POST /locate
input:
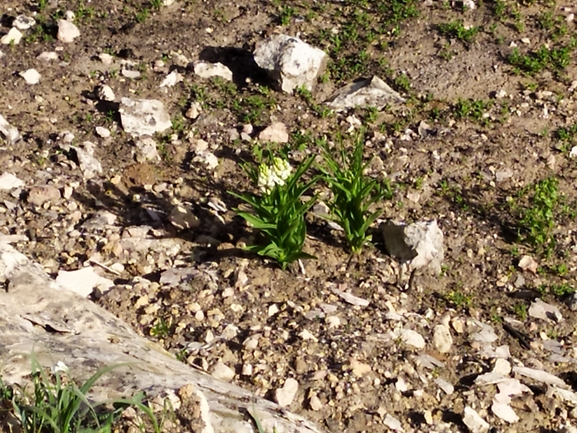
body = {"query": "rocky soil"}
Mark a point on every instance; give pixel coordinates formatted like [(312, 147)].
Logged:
[(139, 204)]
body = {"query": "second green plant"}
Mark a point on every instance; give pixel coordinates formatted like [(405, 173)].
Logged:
[(353, 192)]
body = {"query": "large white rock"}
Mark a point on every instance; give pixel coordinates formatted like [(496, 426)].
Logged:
[(9, 181), (67, 31), (12, 37), (38, 315), (31, 76), (8, 132), (419, 244), (143, 116), (290, 61), (83, 281), (373, 92)]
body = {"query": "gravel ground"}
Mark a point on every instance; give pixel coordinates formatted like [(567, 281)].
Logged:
[(489, 121)]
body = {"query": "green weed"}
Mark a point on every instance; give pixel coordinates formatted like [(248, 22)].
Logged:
[(458, 30), (353, 193)]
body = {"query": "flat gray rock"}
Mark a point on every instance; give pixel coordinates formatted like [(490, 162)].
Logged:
[(373, 92)]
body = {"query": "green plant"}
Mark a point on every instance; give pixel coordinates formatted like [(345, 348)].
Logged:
[(459, 299), (471, 108), (458, 30), (520, 311), (286, 14), (537, 219), (353, 193), (278, 211), (58, 405)]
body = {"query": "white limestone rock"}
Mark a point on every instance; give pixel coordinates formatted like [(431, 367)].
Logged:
[(207, 70), (372, 92), (419, 244), (143, 116), (67, 31), (290, 61), (14, 36)]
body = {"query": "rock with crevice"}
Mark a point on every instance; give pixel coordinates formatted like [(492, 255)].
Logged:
[(39, 316)]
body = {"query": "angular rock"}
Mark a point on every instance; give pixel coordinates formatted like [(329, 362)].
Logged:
[(208, 70), (86, 331), (105, 93), (47, 56), (419, 244), (504, 411), (540, 376), (290, 61), (528, 263), (38, 195), (486, 334), (83, 281), (373, 92), (275, 133), (223, 372), (350, 298), (284, 396), (14, 36), (393, 423), (442, 338), (8, 132), (474, 422), (102, 131), (31, 76), (412, 338), (542, 310), (89, 165), (67, 31), (171, 79), (147, 149), (445, 386), (22, 22), (182, 217), (9, 181), (143, 116)]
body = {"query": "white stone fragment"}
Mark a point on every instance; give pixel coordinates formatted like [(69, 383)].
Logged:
[(105, 93), (502, 366), (8, 181), (207, 70), (171, 79), (373, 92), (102, 131), (504, 411), (209, 159), (89, 165), (573, 152), (306, 335), (284, 396), (445, 386), (147, 149), (67, 31), (315, 403), (14, 36), (47, 56), (143, 116), (540, 376), (22, 22), (83, 281), (31, 76), (411, 338), (474, 422), (223, 372), (486, 334), (8, 132), (349, 298), (275, 133), (528, 263), (106, 58), (419, 244), (393, 423), (544, 311), (290, 61), (442, 338), (129, 73)]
